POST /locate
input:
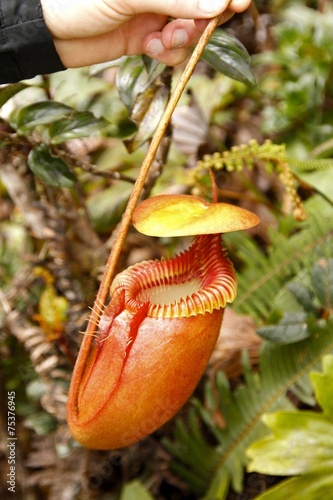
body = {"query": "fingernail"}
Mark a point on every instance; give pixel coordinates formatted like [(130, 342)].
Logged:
[(179, 38), (212, 6), (155, 47)]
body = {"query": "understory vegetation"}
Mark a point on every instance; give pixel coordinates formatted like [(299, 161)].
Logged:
[(257, 116)]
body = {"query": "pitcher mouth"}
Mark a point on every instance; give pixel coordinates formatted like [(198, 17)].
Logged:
[(197, 281)]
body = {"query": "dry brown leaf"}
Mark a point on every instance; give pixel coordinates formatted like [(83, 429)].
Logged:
[(238, 332)]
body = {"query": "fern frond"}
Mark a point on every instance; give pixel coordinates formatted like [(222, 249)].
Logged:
[(312, 165), (195, 458), (265, 275), (272, 156), (324, 149), (300, 443), (280, 368), (268, 152)]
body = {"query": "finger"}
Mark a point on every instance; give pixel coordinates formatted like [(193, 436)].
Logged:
[(186, 9), (156, 50), (239, 5), (186, 32), (181, 33), (202, 23)]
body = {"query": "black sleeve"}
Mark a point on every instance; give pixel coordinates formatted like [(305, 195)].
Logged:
[(26, 46)]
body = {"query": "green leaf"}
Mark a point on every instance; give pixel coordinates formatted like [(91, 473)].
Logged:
[(9, 91), (303, 295), (322, 183), (78, 124), (228, 55), (316, 178), (135, 491), (323, 386), (106, 208), (133, 79), (100, 67), (152, 66), (41, 113), (49, 168), (302, 442), (292, 328), (264, 275), (42, 423), (150, 117), (144, 99), (123, 129), (281, 366), (322, 282), (307, 487)]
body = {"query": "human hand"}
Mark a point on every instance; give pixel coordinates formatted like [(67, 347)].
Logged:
[(92, 31)]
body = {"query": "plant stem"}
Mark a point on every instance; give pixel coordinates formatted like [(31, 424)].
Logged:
[(139, 184)]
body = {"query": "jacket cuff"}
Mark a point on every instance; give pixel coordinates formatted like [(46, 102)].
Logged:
[(26, 46)]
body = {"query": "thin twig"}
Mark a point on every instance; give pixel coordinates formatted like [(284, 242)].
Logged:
[(135, 195)]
